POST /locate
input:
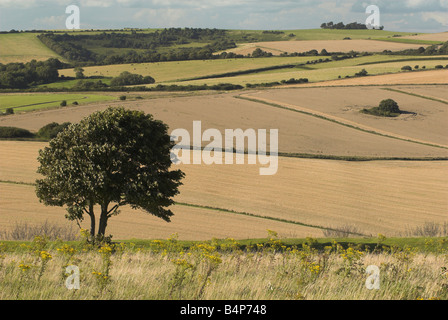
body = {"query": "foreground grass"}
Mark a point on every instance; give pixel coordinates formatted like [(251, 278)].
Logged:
[(271, 269)]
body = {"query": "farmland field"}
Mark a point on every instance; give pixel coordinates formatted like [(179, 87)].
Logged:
[(298, 133), (29, 102), (23, 47), (330, 193)]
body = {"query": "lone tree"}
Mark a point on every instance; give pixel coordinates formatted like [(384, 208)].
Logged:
[(110, 159)]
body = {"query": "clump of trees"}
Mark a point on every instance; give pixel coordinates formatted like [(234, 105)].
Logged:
[(47, 132), (432, 50), (341, 25), (126, 78), (386, 108), (76, 48), (24, 75)]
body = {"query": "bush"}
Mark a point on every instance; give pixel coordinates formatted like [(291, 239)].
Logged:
[(389, 105), (406, 68), (9, 111), (51, 130), (13, 132), (439, 66), (122, 98), (387, 108), (362, 73), (63, 103), (127, 79), (75, 103)]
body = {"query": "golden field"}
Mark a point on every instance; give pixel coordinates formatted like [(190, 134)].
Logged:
[(298, 133), (377, 197)]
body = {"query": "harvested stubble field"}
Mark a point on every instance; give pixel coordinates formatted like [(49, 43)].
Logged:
[(298, 133), (303, 198), (425, 120)]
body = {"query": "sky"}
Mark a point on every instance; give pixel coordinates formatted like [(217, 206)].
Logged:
[(396, 15)]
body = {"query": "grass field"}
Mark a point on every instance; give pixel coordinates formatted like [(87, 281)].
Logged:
[(214, 70), (24, 47), (30, 102)]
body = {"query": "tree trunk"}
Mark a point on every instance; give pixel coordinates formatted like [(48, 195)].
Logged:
[(92, 220), (103, 220)]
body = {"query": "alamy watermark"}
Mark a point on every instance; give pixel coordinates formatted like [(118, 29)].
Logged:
[(73, 21), (374, 20), (230, 149), (373, 280)]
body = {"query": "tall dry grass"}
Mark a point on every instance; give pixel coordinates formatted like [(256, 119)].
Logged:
[(208, 271)]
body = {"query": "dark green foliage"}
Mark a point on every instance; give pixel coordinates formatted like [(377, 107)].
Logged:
[(389, 105), (439, 66), (126, 79), (387, 108), (24, 75), (112, 158), (341, 25), (13, 132), (76, 47), (122, 98), (433, 50), (406, 68), (88, 85), (258, 53), (9, 111), (63, 103), (51, 130), (362, 73)]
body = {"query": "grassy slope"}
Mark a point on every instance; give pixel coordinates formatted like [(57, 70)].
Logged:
[(23, 47)]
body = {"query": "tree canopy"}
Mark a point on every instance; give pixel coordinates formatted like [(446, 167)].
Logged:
[(109, 159)]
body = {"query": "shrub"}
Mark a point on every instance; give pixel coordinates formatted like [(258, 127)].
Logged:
[(63, 103), (122, 98), (406, 68), (51, 130), (362, 73), (126, 79), (439, 66), (389, 105), (13, 132), (75, 103), (387, 108), (9, 111)]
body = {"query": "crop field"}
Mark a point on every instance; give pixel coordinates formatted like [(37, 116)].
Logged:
[(23, 47), (298, 132), (425, 119), (331, 194)]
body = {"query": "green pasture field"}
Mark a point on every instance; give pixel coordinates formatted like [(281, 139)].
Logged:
[(24, 47), (30, 102), (320, 72)]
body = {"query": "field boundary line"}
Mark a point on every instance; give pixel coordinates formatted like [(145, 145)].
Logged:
[(262, 217), (417, 95), (221, 210), (337, 120)]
